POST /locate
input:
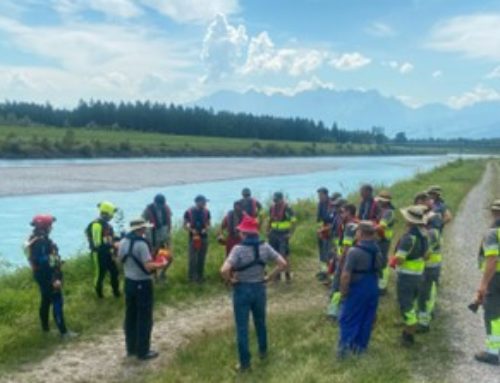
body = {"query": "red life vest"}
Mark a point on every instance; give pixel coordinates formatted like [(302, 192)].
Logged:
[(278, 214), (232, 221), (155, 219), (191, 216)]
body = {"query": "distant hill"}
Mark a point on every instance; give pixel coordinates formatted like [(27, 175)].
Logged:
[(353, 110)]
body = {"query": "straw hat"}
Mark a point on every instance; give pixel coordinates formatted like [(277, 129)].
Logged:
[(415, 214), (138, 224), (495, 206), (384, 196)]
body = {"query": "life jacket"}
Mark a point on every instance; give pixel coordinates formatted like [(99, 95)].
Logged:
[(159, 219), (372, 211), (192, 217), (278, 213), (232, 223), (250, 208), (280, 218), (482, 256), (414, 262), (373, 251), (106, 235), (42, 252)]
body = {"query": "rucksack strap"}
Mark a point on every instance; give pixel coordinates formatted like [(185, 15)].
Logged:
[(255, 262), (131, 255)]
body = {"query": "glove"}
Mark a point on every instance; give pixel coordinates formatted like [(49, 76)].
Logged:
[(393, 262)]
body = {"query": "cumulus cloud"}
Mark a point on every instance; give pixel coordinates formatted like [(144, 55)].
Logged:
[(473, 35), (350, 61), (193, 11), (402, 67), (495, 73), (223, 47), (478, 94), (379, 29)]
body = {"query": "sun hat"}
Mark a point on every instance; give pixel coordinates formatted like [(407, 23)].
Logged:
[(415, 214), (138, 224), (384, 196), (249, 225)]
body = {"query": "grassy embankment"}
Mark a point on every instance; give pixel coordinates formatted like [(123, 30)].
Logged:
[(301, 342), (47, 142)]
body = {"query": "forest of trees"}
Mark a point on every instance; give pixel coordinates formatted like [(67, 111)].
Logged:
[(174, 119)]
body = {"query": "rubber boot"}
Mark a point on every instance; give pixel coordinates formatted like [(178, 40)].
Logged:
[(486, 357)]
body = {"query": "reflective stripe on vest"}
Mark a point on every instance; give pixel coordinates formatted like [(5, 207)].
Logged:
[(412, 266), (279, 219), (492, 253)]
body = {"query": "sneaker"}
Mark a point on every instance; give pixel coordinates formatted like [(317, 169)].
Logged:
[(150, 355), (407, 340), (423, 329), (486, 357)]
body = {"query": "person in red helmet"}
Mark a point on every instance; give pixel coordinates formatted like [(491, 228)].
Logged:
[(46, 264)]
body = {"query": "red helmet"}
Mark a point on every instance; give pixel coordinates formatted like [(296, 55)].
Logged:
[(42, 221)]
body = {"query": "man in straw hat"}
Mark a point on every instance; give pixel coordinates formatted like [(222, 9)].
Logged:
[(138, 266), (488, 293), (245, 269), (385, 233), (359, 291), (410, 262), (438, 205), (432, 272)]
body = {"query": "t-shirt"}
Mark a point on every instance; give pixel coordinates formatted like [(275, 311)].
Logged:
[(242, 255), (141, 252), (359, 261)]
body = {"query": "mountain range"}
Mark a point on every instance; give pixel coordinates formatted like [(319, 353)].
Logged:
[(362, 110)]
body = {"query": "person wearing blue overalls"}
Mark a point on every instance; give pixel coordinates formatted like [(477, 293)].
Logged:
[(359, 292)]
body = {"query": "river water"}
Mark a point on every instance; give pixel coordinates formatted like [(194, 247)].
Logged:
[(75, 210)]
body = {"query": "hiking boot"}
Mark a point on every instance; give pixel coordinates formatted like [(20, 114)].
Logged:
[(486, 357), (150, 355), (423, 329), (407, 340)]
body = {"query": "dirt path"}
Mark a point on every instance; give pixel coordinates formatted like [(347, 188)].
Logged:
[(461, 279), (103, 360)]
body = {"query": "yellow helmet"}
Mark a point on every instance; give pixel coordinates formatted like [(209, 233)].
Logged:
[(107, 207)]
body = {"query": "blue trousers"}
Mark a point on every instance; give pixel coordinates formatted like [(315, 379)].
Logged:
[(357, 315), (49, 296), (249, 298)]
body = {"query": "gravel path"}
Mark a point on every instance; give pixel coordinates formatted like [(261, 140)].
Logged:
[(462, 277), (102, 359)]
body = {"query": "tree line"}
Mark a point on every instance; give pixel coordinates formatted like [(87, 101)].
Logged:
[(180, 120)]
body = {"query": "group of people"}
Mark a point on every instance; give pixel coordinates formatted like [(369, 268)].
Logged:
[(354, 246)]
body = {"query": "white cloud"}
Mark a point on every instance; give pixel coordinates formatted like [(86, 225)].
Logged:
[(350, 61), (193, 11), (301, 86), (473, 35), (437, 74), (263, 56), (478, 94), (403, 68), (223, 47), (495, 73), (114, 8), (379, 29)]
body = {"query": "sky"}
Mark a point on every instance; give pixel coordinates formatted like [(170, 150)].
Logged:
[(419, 51)]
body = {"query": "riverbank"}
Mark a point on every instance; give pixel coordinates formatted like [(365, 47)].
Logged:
[(22, 350)]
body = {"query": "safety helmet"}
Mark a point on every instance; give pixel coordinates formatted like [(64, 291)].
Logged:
[(108, 208), (42, 221)]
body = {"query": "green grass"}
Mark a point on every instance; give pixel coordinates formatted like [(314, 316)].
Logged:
[(50, 142), (21, 339), (302, 342)]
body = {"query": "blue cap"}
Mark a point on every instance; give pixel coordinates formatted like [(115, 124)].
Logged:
[(200, 198)]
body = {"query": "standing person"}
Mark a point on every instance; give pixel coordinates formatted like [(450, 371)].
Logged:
[(101, 238), (197, 222), (245, 269), (385, 233), (347, 239), (368, 208), (159, 215), (280, 229), (410, 262), (488, 292), (229, 225), (46, 265), (438, 205), (249, 204), (325, 230), (134, 253), (359, 291), (432, 272)]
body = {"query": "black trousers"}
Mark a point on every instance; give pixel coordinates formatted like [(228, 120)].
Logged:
[(104, 263), (50, 297), (138, 316)]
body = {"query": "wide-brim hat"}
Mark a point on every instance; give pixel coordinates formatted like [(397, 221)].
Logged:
[(415, 214), (384, 196), (248, 225), (495, 206), (138, 224), (434, 189)]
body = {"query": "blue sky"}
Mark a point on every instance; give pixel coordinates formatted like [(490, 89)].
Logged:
[(419, 51)]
